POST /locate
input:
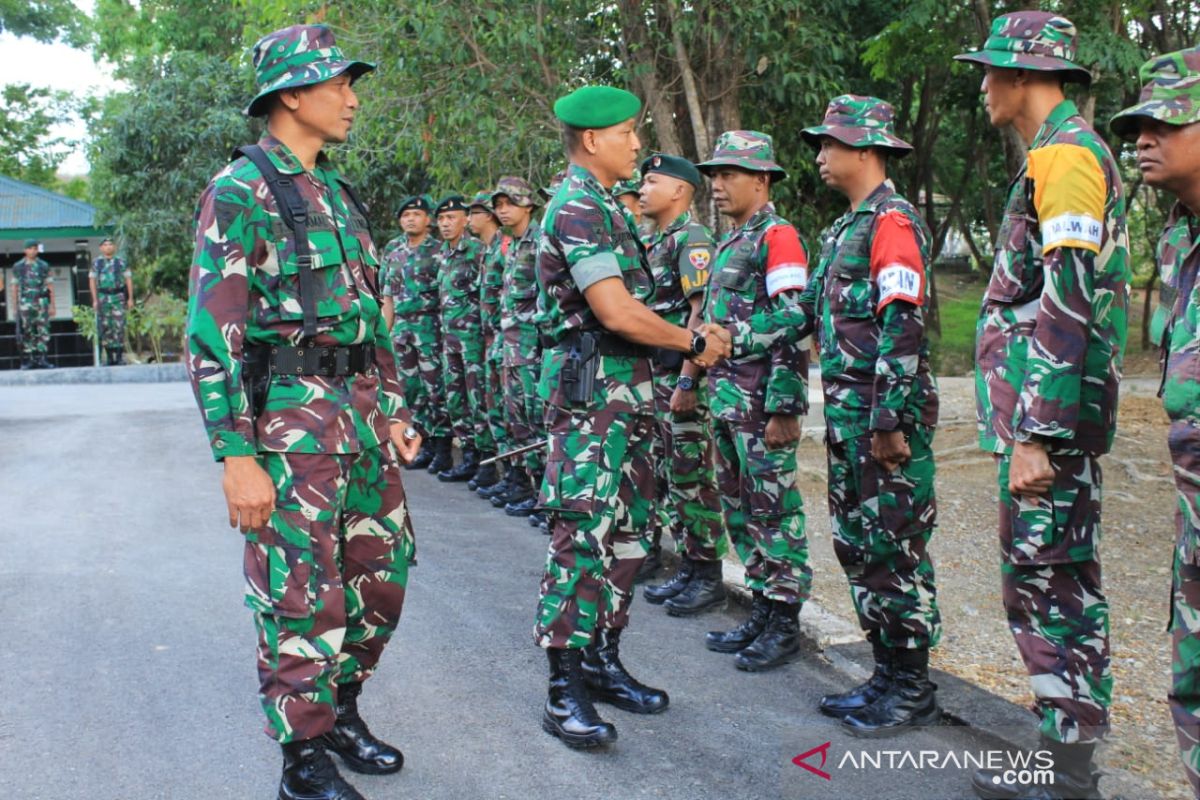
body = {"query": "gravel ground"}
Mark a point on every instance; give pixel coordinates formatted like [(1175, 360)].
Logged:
[(1136, 552)]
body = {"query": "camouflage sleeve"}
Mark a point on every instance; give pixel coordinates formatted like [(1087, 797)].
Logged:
[(1049, 400), (587, 243), (94, 271), (787, 277), (218, 305), (898, 270), (391, 390), (781, 324)]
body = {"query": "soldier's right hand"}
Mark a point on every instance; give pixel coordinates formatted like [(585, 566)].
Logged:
[(249, 493)]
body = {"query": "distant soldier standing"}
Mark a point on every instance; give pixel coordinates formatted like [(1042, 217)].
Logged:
[(459, 260), (515, 204), (35, 301), (866, 301), (1049, 346), (596, 380), (756, 402), (410, 308), (294, 372), (1166, 126), (680, 256), (111, 284), (485, 224)]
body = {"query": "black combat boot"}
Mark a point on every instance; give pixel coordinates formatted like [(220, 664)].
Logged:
[(500, 486), (25, 363), (485, 474), (732, 641), (910, 700), (536, 519), (652, 563), (522, 492), (657, 595), (779, 641), (443, 456), (863, 695), (704, 591), (118, 357), (465, 469), (609, 682), (569, 713), (353, 741), (310, 774), (424, 457), (1075, 777)]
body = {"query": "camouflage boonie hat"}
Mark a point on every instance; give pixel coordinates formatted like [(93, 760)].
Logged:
[(548, 191), (301, 55), (515, 189), (1033, 40), (1170, 94), (859, 121), (630, 185), (750, 150), (483, 200)]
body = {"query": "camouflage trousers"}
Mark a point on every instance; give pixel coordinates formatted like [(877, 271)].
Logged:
[(418, 343), (35, 327), (462, 372), (524, 409), (325, 579), (687, 500), (1184, 697), (763, 509), (493, 395), (110, 320), (882, 523), (599, 492), (1051, 585)]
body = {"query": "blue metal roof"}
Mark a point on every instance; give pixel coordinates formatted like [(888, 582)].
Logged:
[(23, 205)]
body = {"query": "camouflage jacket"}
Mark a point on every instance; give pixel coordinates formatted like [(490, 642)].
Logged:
[(109, 273), (759, 267), (588, 236), (411, 276), (244, 289), (519, 298), (874, 352), (458, 284), (33, 281), (1178, 258), (491, 283), (679, 256), (1052, 327)]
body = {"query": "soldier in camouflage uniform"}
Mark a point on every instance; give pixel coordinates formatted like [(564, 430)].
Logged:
[(484, 223), (301, 403), (1049, 346), (35, 299), (111, 284), (628, 192), (1165, 123), (596, 380), (459, 260), (866, 300), (556, 180), (680, 253), (756, 402), (410, 307), (522, 351)]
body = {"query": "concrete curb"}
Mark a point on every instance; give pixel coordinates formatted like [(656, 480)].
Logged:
[(842, 645), (132, 373)]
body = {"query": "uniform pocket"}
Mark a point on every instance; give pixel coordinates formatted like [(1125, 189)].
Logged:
[(573, 470), (331, 283), (1015, 276), (279, 579), (1061, 527)]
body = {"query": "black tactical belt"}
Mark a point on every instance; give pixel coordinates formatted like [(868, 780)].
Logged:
[(328, 362), (607, 344)]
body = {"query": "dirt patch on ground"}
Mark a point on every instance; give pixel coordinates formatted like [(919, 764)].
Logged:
[(1136, 551)]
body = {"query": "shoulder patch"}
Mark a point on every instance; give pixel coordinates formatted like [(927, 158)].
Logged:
[(1069, 190), (787, 263)]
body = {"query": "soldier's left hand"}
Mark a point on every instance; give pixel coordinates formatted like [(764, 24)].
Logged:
[(783, 430), (716, 345), (683, 404), (1030, 472), (890, 449), (407, 446)]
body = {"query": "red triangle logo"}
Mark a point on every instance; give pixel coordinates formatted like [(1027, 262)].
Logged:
[(800, 761)]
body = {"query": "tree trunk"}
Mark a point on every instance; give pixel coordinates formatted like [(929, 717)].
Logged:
[(690, 91)]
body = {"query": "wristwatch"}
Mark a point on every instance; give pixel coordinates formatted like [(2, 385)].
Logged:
[(686, 383), (699, 343)]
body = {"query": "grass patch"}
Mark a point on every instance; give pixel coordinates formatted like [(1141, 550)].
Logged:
[(953, 352)]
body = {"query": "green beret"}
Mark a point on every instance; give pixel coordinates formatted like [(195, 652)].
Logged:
[(597, 107), (421, 202), (674, 166), (31, 243), (451, 202)]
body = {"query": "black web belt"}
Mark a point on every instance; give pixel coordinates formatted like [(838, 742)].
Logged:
[(607, 344), (329, 362)]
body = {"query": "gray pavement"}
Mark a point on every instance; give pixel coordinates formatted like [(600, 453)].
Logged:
[(129, 669)]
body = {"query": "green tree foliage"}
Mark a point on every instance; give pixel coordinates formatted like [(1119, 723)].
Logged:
[(44, 20), (28, 149)]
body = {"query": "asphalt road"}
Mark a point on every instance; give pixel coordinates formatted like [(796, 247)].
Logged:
[(128, 656)]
